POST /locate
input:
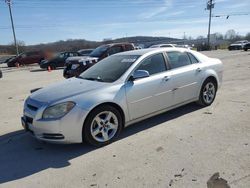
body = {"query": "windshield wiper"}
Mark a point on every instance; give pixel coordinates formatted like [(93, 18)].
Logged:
[(79, 77), (93, 79)]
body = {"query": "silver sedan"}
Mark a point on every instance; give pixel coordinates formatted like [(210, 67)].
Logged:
[(118, 91)]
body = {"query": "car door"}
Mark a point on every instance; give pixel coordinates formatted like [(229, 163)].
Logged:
[(31, 58), (186, 76), (150, 94)]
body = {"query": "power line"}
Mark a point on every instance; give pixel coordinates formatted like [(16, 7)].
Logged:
[(228, 15)]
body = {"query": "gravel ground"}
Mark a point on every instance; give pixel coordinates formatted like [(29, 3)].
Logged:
[(182, 148)]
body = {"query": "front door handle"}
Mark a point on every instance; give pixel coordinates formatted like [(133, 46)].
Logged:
[(199, 69)]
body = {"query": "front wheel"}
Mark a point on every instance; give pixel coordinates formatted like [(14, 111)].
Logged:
[(208, 92), (102, 126)]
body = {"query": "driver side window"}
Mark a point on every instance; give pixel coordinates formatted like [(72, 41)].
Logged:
[(62, 55), (154, 64)]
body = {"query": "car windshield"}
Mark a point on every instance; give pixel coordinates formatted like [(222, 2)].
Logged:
[(99, 51), (84, 52), (109, 69), (60, 55), (155, 46), (239, 42)]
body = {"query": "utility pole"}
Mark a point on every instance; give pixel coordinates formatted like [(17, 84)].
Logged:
[(12, 24), (210, 6)]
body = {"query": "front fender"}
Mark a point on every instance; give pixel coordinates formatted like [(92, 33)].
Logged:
[(114, 94)]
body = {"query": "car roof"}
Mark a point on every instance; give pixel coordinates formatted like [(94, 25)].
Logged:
[(151, 50)]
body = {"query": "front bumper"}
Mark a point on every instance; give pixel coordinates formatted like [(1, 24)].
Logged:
[(67, 129)]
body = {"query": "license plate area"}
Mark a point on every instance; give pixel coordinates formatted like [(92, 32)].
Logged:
[(26, 121)]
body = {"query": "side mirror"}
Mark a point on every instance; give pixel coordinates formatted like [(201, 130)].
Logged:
[(139, 74)]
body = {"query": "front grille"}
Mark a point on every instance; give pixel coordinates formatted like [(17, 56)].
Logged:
[(31, 107), (53, 136)]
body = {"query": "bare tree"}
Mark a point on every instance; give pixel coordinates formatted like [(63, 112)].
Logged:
[(230, 34)]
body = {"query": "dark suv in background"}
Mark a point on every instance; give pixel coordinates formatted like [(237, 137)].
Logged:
[(27, 58), (76, 65), (58, 60)]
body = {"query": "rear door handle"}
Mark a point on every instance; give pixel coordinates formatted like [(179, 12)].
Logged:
[(199, 69), (166, 78)]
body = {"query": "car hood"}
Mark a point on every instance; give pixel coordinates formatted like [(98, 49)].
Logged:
[(83, 58), (66, 89)]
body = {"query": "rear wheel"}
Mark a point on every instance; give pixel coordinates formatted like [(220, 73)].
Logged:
[(208, 92), (102, 126), (52, 67)]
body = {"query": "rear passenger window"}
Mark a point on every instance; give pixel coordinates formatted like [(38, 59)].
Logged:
[(178, 59), (114, 50), (192, 58), (154, 64)]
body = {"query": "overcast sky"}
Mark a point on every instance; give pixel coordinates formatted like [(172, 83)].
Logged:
[(40, 21)]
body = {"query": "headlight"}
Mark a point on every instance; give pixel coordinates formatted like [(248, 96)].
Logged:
[(74, 66), (58, 110)]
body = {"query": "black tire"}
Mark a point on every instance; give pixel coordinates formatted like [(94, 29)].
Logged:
[(245, 49), (201, 100), (52, 67), (86, 131), (1, 74)]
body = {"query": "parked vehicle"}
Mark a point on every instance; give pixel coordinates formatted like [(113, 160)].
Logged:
[(6, 60), (238, 45), (26, 58), (85, 52), (76, 65), (58, 60), (118, 91), (163, 46), (183, 46), (246, 46), (171, 46)]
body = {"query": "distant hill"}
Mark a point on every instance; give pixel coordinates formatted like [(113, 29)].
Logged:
[(76, 44)]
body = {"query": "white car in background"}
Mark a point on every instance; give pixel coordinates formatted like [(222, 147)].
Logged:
[(238, 45), (171, 46), (118, 91), (163, 46)]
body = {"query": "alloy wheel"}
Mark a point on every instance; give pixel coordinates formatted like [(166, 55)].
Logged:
[(209, 92), (104, 126)]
